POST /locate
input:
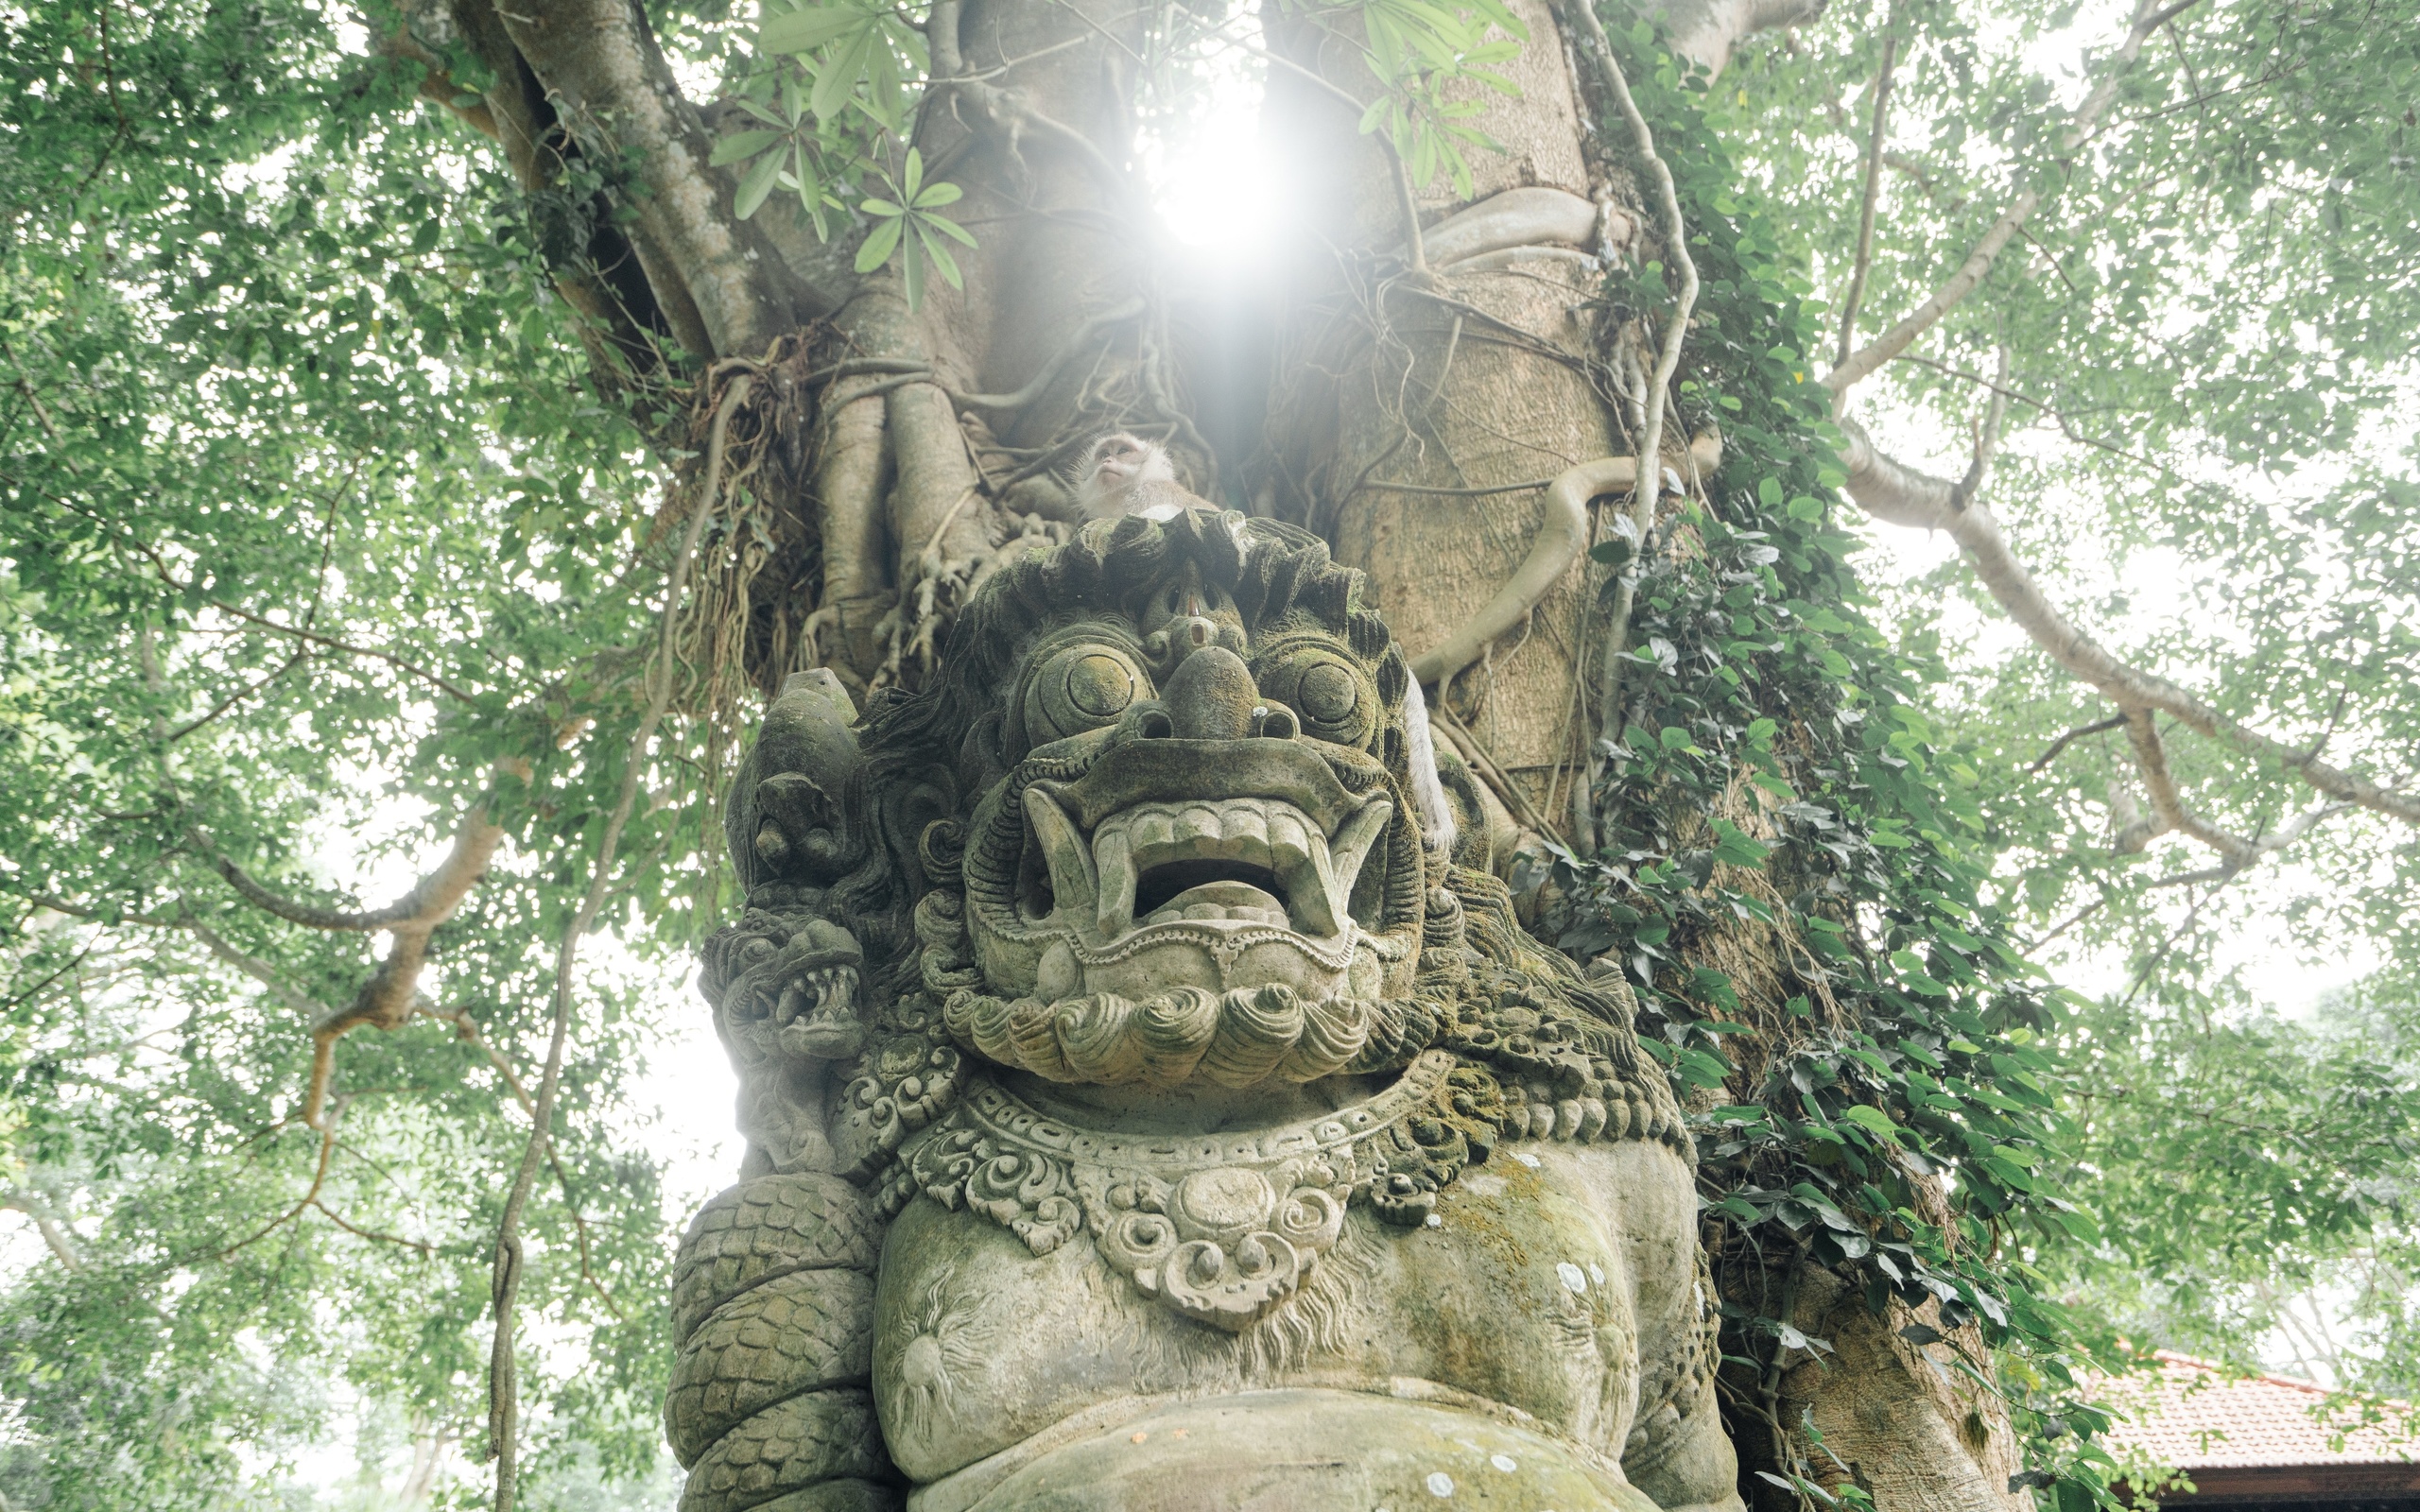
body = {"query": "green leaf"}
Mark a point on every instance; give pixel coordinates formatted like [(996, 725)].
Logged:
[(880, 243), (1703, 1070), (836, 84), (740, 145), (1737, 849), (804, 30), (948, 228), (755, 184), (911, 269), (1874, 1121), (943, 263)]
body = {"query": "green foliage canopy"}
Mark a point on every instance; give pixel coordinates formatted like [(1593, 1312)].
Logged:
[(318, 535)]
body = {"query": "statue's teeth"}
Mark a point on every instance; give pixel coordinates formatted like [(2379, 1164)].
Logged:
[(1152, 829), (1247, 832), (1114, 864), (1198, 828), (1289, 842), (1315, 872), (1075, 887)]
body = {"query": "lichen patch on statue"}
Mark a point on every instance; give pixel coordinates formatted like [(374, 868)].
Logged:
[(1120, 941)]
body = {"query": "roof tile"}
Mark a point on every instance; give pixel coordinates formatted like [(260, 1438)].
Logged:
[(2193, 1415)]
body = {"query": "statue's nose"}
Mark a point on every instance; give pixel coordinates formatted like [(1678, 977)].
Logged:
[(1211, 696)]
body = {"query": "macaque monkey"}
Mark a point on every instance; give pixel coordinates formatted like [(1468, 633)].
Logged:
[(1125, 475)]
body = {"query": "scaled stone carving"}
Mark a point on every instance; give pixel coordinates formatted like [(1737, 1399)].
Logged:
[(1143, 1117)]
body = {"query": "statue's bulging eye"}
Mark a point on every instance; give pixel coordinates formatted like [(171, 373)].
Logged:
[(1082, 687), (1327, 694), (1336, 700), (1100, 685)]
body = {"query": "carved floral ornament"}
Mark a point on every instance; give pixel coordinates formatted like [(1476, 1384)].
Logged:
[(1222, 1229)]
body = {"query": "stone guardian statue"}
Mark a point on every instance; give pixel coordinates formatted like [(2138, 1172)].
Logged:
[(1143, 1119)]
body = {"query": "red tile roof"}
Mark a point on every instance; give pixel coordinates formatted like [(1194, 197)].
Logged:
[(2194, 1416)]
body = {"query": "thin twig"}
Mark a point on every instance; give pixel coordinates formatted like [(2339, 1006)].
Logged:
[(504, 1400), (1649, 481), (1873, 194), (2052, 753), (1505, 788), (1897, 494), (1978, 261), (333, 1217), (2063, 925), (1383, 486), (400, 663), (467, 1030)]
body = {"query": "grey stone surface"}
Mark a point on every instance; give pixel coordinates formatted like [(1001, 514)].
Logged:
[(768, 1228), (817, 1437), (1236, 1147), (1285, 1451), (797, 1332)]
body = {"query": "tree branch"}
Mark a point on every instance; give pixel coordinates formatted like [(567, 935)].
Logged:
[(2051, 753), (1872, 195), (1978, 266), (1006, 117), (599, 64), (504, 1399), (46, 1223), (253, 966), (2167, 804), (1646, 485), (385, 1001), (1474, 752), (1897, 494), (297, 632), (467, 1030)]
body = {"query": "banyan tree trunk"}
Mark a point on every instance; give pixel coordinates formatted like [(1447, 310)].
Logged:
[(1425, 363)]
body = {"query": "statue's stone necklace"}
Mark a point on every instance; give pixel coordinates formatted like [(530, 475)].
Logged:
[(1223, 1229)]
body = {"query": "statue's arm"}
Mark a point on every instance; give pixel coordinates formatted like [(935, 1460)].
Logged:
[(1679, 1455), (772, 1319)]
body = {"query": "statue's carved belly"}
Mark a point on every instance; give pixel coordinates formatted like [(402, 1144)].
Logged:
[(1517, 1301)]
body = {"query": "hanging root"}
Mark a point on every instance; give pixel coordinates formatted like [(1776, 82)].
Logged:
[(1561, 533)]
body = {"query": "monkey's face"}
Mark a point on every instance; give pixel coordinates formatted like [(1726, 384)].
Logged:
[(1119, 460)]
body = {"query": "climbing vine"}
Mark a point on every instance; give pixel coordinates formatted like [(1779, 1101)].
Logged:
[(1795, 879)]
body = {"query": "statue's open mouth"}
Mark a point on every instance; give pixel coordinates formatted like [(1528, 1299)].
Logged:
[(1233, 863), (1156, 863)]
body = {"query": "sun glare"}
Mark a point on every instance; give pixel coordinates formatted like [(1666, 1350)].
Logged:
[(1213, 178)]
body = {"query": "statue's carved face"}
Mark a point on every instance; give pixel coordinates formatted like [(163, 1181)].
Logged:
[(1192, 802)]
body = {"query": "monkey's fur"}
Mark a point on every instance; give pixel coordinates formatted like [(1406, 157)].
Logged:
[(1125, 475)]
